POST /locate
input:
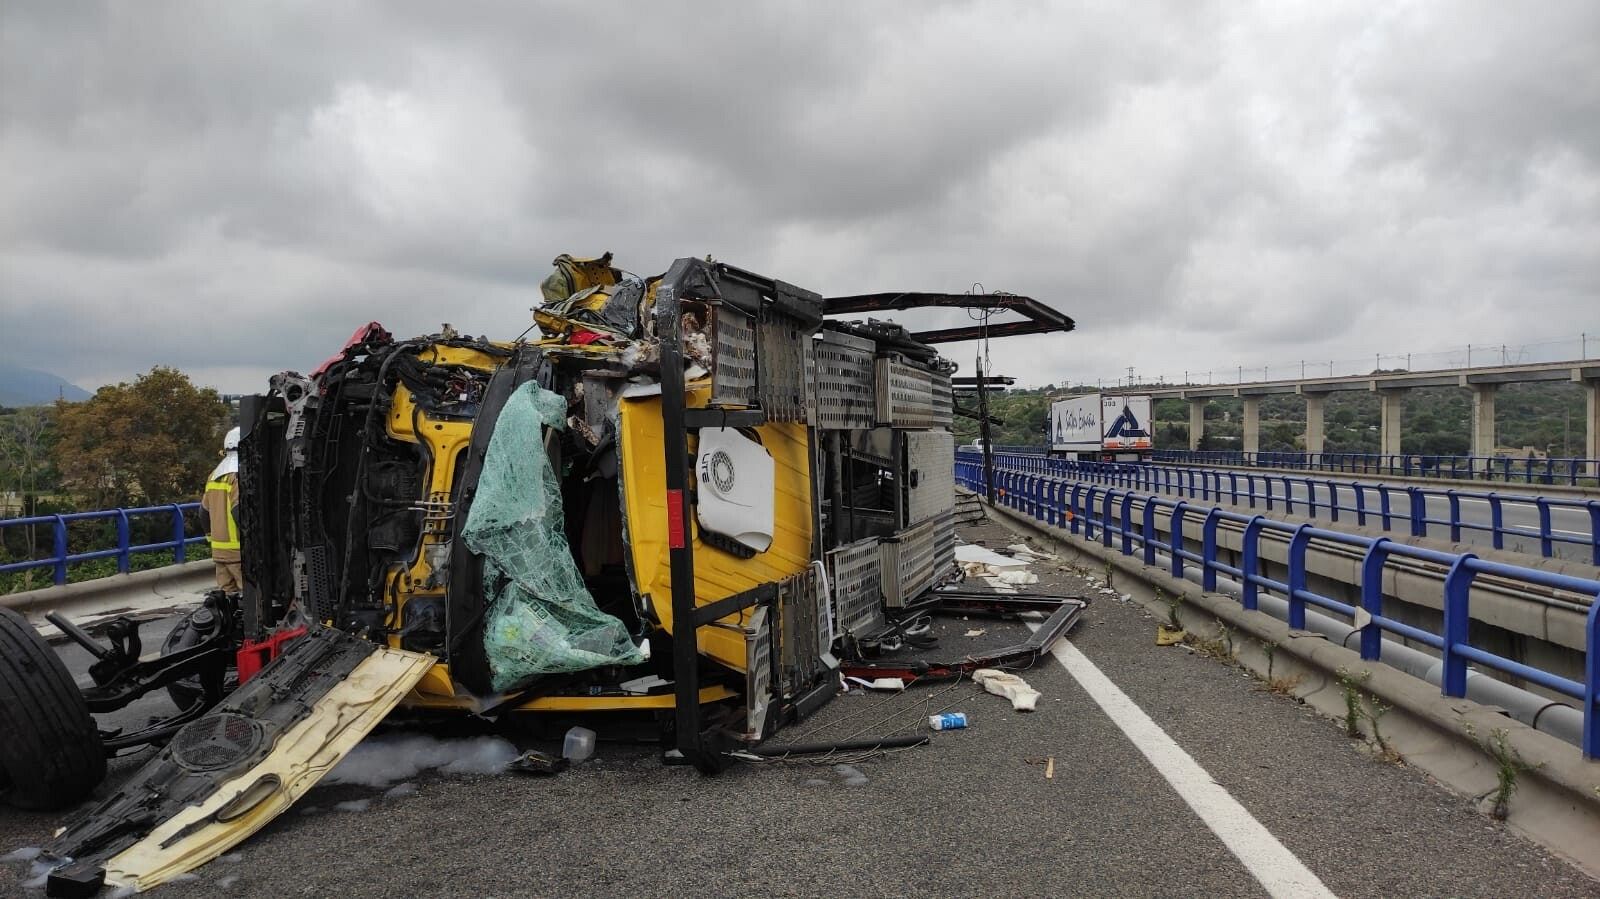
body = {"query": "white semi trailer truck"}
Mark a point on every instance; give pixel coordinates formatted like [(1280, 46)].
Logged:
[(1099, 427)]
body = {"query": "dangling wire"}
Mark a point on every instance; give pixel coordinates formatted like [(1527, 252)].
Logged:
[(981, 313)]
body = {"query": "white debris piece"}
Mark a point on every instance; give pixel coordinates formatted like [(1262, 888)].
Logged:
[(1004, 683), (967, 553), (1016, 578), (893, 684)]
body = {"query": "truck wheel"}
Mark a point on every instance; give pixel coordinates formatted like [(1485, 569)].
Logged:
[(50, 749), (185, 691)]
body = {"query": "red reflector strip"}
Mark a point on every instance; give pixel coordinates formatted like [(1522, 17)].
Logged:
[(675, 519)]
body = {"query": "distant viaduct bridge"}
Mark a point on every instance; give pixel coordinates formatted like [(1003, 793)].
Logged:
[(1391, 388)]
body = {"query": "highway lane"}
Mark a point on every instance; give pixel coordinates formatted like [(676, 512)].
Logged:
[(971, 814)]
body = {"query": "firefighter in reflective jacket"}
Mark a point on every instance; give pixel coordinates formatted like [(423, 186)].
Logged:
[(217, 515)]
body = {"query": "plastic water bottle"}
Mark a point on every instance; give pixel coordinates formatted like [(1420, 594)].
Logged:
[(948, 721), (578, 745)]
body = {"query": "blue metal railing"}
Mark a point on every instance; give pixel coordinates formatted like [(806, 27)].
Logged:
[(61, 556), (1382, 505), (1107, 514), (1573, 472)]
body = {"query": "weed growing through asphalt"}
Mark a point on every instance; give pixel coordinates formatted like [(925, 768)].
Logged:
[(1351, 684), (1509, 765), (1172, 605)]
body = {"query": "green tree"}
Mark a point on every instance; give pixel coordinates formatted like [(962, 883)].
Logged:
[(26, 436), (150, 441)]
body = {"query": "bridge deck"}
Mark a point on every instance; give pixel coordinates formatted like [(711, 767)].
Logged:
[(968, 815)]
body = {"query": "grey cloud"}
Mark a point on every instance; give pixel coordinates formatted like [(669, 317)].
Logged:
[(1199, 185)]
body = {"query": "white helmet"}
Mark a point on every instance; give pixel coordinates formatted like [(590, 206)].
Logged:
[(230, 456)]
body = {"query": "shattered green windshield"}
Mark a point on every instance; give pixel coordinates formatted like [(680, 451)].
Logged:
[(541, 619)]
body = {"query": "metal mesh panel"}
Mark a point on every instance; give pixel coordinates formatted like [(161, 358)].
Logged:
[(782, 367), (905, 395), (855, 572), (930, 465), (846, 383), (733, 375), (943, 400), (944, 543), (802, 641), (908, 561)]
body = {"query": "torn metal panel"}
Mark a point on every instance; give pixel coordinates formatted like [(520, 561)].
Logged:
[(1063, 612)]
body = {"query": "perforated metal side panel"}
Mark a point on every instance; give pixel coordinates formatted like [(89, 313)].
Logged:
[(942, 399), (846, 384), (910, 560), (802, 640), (733, 376), (782, 365), (905, 395), (944, 544), (858, 593), (930, 472)]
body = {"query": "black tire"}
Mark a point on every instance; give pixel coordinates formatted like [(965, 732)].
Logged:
[(50, 748), (186, 691)]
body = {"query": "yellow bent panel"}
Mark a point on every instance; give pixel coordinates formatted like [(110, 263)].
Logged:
[(446, 439), (718, 574), (300, 757), (715, 693), (436, 691)]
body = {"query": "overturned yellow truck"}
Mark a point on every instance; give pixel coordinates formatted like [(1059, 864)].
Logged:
[(699, 495)]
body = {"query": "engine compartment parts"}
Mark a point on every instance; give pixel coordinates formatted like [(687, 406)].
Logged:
[(228, 773)]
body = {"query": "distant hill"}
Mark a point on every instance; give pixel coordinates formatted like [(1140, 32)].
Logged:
[(31, 387)]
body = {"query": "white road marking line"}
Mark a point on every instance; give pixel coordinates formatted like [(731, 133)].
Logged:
[(1277, 869)]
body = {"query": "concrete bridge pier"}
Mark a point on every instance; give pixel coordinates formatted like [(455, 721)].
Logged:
[(1197, 421), (1483, 436), (1389, 420), (1252, 424), (1591, 405), (1316, 431)]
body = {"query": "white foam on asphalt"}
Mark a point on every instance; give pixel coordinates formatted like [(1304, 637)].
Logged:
[(1278, 870), (385, 759)]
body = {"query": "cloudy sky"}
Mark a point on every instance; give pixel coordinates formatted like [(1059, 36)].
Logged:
[(232, 188)]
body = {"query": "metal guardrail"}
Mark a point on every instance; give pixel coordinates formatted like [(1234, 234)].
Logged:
[(1572, 472), (1106, 514), (61, 557), (1380, 504)]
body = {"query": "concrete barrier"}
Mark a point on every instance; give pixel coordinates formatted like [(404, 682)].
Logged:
[(141, 593)]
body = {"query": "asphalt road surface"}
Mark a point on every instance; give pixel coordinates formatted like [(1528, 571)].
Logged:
[(1300, 809)]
